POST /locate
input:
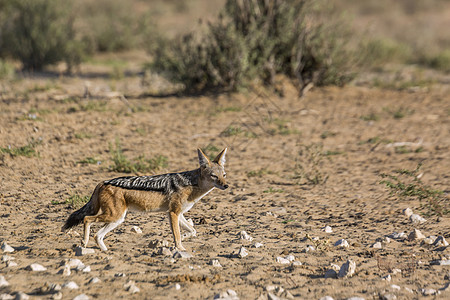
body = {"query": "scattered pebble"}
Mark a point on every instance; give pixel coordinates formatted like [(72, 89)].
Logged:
[(257, 245), (429, 292), (388, 297), (342, 243), (347, 269), (215, 263), (396, 271), (416, 219), (11, 264), (430, 240), (296, 263), (86, 269), (6, 258), (94, 280), (441, 262), (415, 235), (326, 298), (407, 212), (120, 275), (388, 277), (65, 271), (21, 296), (395, 287), (282, 260), (3, 281), (227, 295), (182, 255), (71, 285), (72, 263), (242, 252), (36, 268), (80, 251), (136, 229), (245, 236), (131, 287), (377, 245), (7, 248), (327, 229), (81, 297), (309, 248), (333, 271), (398, 235), (440, 242), (158, 243), (177, 286)]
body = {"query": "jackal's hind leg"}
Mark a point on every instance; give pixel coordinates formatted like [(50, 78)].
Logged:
[(107, 228), (186, 225)]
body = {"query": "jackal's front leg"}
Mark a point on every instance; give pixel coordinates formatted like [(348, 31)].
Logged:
[(175, 226)]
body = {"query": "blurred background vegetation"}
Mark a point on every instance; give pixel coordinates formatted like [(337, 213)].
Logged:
[(225, 45)]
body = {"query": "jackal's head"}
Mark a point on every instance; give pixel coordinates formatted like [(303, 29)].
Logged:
[(213, 172)]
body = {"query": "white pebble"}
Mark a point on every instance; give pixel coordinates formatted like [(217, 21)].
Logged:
[(177, 286), (216, 263), (415, 235), (71, 285), (398, 235), (11, 264), (429, 292), (3, 281), (245, 236), (136, 229), (347, 269), (342, 243), (81, 297), (6, 258), (327, 298), (94, 280), (283, 260), (387, 277), (258, 245), (309, 248), (65, 271), (7, 248), (86, 269), (242, 252), (416, 219), (395, 287), (377, 245), (407, 212), (182, 255), (327, 229), (36, 268), (73, 262)]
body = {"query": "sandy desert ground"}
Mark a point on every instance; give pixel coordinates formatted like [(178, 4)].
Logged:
[(344, 135)]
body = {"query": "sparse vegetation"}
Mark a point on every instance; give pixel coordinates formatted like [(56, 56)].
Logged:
[(259, 173), (255, 40), (90, 160), (272, 190), (27, 150), (76, 201), (308, 167), (137, 165), (407, 184)]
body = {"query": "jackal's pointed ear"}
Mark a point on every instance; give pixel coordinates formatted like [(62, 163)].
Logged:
[(220, 159), (202, 158)]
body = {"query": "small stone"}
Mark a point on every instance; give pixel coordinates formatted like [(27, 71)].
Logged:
[(282, 260), (347, 269), (215, 263), (182, 255), (296, 263), (57, 296), (7, 248), (131, 287), (377, 245), (81, 297), (440, 242), (327, 298), (94, 280), (430, 240), (3, 281), (441, 262), (409, 290), (11, 264), (86, 269), (278, 211), (158, 243), (415, 235), (242, 252), (341, 243), (136, 229), (395, 287), (429, 292), (387, 277), (330, 273), (290, 257), (177, 286), (6, 297), (165, 251), (72, 263), (80, 251), (398, 235), (309, 248), (257, 245), (6, 258), (386, 240), (65, 271), (396, 271), (21, 296), (120, 275), (407, 212), (36, 268), (416, 219), (71, 285), (245, 236), (388, 297), (327, 229)]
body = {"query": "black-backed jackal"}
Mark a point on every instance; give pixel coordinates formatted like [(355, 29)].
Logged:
[(174, 193)]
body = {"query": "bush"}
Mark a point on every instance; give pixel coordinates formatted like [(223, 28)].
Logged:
[(257, 39), (39, 33)]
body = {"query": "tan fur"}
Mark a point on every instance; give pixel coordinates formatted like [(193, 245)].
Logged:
[(110, 203)]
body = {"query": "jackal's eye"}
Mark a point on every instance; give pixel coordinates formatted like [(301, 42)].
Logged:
[(214, 176), (224, 175)]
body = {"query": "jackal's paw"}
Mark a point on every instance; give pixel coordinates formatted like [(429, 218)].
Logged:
[(180, 248)]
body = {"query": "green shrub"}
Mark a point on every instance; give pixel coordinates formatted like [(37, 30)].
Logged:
[(257, 39), (39, 33)]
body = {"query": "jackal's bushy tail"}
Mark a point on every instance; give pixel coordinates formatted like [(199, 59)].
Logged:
[(77, 216)]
